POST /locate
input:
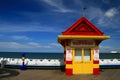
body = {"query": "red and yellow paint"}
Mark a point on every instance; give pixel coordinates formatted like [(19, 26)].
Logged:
[(23, 67), (81, 38)]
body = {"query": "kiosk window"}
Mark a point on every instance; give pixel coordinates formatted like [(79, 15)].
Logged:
[(78, 54), (87, 53)]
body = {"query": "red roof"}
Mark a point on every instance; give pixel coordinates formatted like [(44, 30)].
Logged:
[(83, 27)]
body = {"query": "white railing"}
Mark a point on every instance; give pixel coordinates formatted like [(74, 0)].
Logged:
[(109, 61), (32, 62), (51, 62)]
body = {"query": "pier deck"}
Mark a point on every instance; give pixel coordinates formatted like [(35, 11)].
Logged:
[(43, 74)]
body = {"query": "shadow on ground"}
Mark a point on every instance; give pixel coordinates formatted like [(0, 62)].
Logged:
[(4, 73)]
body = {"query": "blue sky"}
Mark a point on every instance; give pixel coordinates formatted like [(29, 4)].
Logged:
[(33, 25)]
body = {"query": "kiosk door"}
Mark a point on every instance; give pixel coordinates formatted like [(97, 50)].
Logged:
[(82, 63)]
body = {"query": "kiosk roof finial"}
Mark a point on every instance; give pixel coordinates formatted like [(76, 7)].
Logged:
[(84, 9)]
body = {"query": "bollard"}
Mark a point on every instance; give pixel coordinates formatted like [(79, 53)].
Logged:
[(3, 62), (23, 67)]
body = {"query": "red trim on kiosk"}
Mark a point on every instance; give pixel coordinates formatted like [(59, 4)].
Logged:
[(95, 61), (96, 71), (68, 62), (69, 72)]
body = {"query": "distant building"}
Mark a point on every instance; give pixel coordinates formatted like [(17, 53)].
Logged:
[(113, 51)]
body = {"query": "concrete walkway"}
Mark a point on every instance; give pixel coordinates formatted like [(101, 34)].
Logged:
[(39, 74)]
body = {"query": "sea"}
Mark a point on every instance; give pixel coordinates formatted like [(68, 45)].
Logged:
[(32, 55), (48, 55)]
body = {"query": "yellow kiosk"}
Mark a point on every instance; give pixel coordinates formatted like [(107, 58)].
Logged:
[(81, 42)]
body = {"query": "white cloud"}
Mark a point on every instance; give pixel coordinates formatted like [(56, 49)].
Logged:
[(55, 44), (16, 45), (111, 12), (104, 21), (107, 19), (108, 49), (21, 38), (98, 15), (105, 47), (94, 12), (37, 45), (28, 28), (30, 46), (34, 44), (106, 1), (57, 5)]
